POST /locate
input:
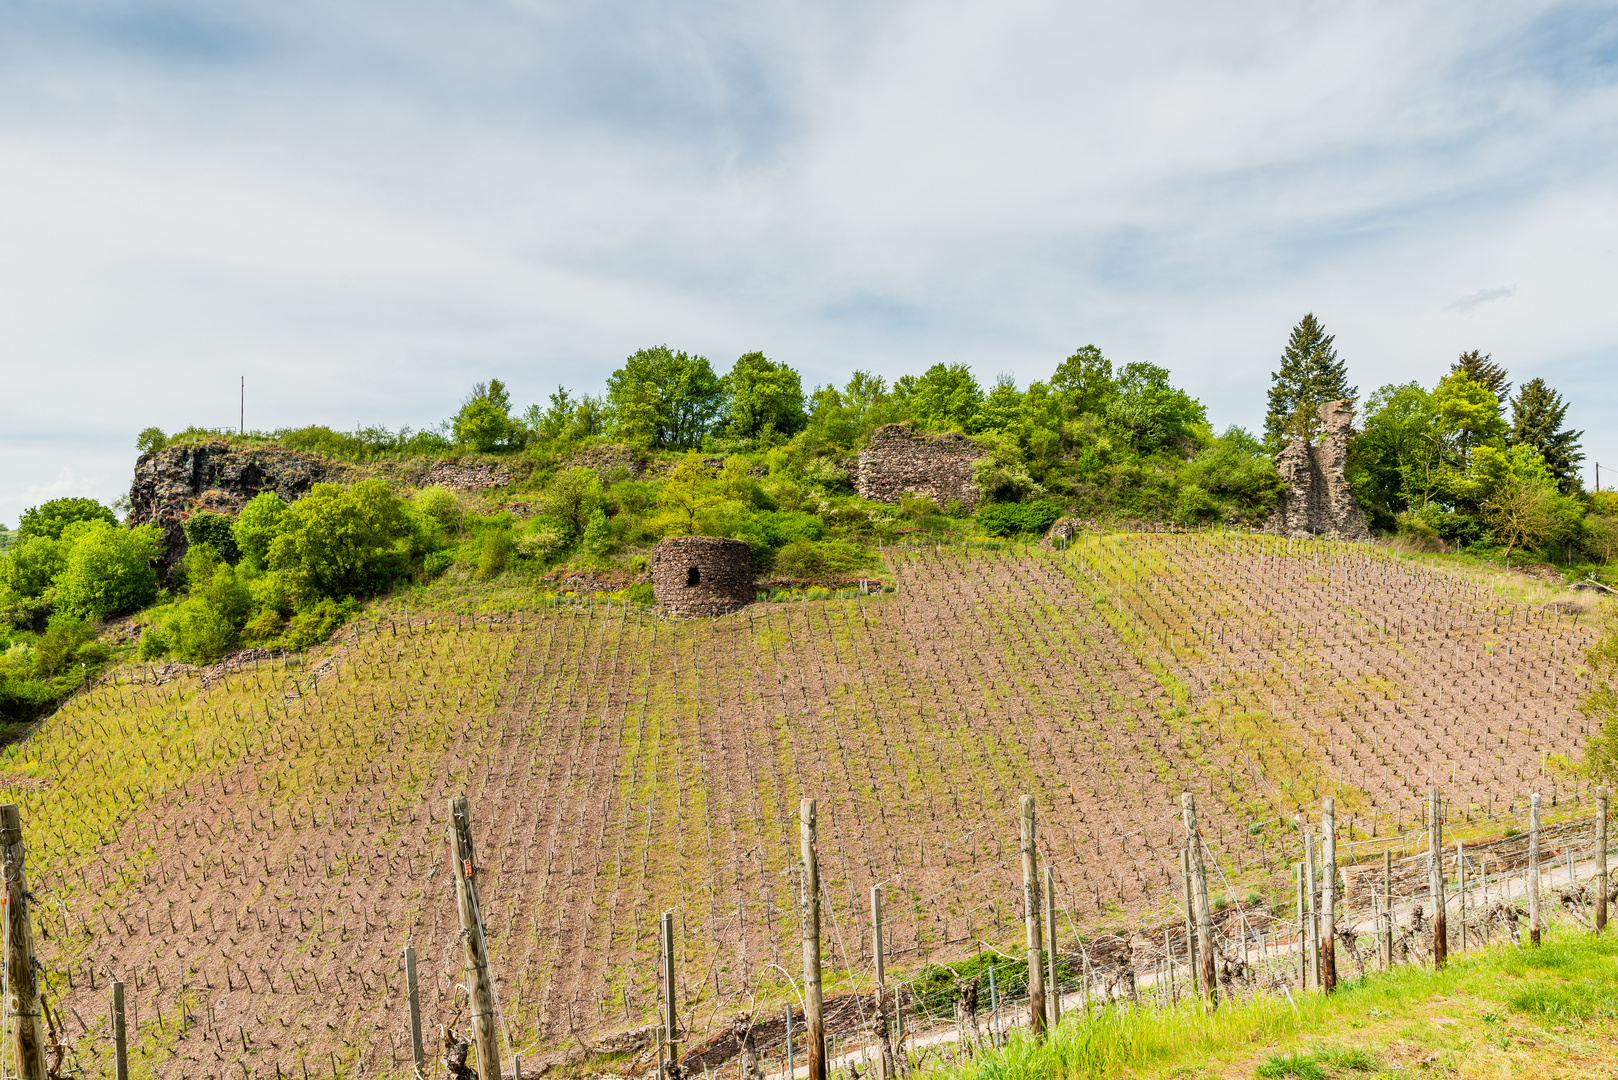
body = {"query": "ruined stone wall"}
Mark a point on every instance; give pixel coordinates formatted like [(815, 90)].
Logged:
[(901, 460), (1318, 500), (173, 483), (701, 575)]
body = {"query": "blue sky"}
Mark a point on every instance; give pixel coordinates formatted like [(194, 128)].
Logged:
[(366, 207)]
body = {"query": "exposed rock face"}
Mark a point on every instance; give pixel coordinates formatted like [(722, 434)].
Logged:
[(1318, 501), (701, 575), (901, 460), (175, 482)]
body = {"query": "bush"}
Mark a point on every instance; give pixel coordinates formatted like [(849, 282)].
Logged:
[(493, 552), (1012, 519), (318, 623), (59, 645), (436, 563), (812, 559), (215, 530), (1194, 505), (598, 534), (151, 440), (543, 541), (782, 527), (207, 625), (336, 543), (1417, 535), (257, 526), (109, 571), (153, 643), (440, 508)]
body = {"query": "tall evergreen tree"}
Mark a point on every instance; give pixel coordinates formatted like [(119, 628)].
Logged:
[(1537, 413), (1476, 366), (1310, 374)]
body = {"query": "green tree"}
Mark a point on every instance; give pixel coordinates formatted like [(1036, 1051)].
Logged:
[(664, 398), (484, 421), (1477, 366), (1468, 411), (257, 526), (1084, 382), (49, 519), (1397, 460), (1002, 408), (945, 397), (688, 499), (571, 497), (150, 440), (334, 543), (1148, 411), (1537, 413), (763, 396), (109, 571), (1310, 375)]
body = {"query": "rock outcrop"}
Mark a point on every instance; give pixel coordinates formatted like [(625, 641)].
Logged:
[(1318, 500), (177, 481), (903, 461)]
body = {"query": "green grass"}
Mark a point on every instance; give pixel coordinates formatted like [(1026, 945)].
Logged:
[(1496, 1012)]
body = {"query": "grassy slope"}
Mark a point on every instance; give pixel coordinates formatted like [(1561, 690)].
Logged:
[(1497, 1012), (266, 841)]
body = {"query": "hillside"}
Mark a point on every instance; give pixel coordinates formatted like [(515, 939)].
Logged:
[(251, 846)]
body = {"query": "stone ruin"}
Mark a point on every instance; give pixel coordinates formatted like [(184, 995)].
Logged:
[(903, 461), (697, 576), (1318, 501)]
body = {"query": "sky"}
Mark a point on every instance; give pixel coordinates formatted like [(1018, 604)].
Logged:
[(362, 208)]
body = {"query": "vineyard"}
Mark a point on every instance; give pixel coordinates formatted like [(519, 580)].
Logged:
[(250, 847)]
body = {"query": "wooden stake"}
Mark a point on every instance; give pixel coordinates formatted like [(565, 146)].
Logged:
[(1053, 987), (1328, 895), (1435, 875), (1199, 893), (1387, 909), (413, 998), (1311, 887), (1303, 929), (478, 980), (1533, 868), (1601, 859), (22, 991), (1460, 892), (1031, 906), (877, 961), (671, 1007), (1190, 903), (120, 1038), (814, 1020)]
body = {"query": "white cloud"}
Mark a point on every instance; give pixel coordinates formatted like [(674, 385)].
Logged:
[(364, 209)]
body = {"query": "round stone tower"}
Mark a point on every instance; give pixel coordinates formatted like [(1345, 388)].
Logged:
[(701, 575)]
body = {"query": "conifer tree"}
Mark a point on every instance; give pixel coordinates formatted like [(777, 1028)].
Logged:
[(1537, 413), (1310, 374), (1476, 366)]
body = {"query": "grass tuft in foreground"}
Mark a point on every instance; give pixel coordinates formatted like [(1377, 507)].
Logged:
[(1501, 1011)]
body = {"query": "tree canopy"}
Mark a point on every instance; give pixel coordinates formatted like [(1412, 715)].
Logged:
[(1310, 374)]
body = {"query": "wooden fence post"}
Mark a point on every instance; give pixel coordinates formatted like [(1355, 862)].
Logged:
[(813, 1018), (1533, 868), (1303, 929), (1601, 859), (1328, 895), (1435, 875), (22, 990), (479, 982), (1460, 893), (1199, 887), (671, 1006), (120, 1037), (1053, 988), (413, 997), (792, 1063), (1031, 921)]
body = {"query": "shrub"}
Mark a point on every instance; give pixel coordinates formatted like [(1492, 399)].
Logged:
[(493, 552), (109, 571), (1194, 505), (812, 559), (208, 623), (436, 563), (1011, 519), (151, 440), (543, 541), (215, 530), (439, 508), (1417, 535), (153, 643), (572, 497), (59, 644), (782, 527), (316, 624), (598, 534), (336, 543)]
